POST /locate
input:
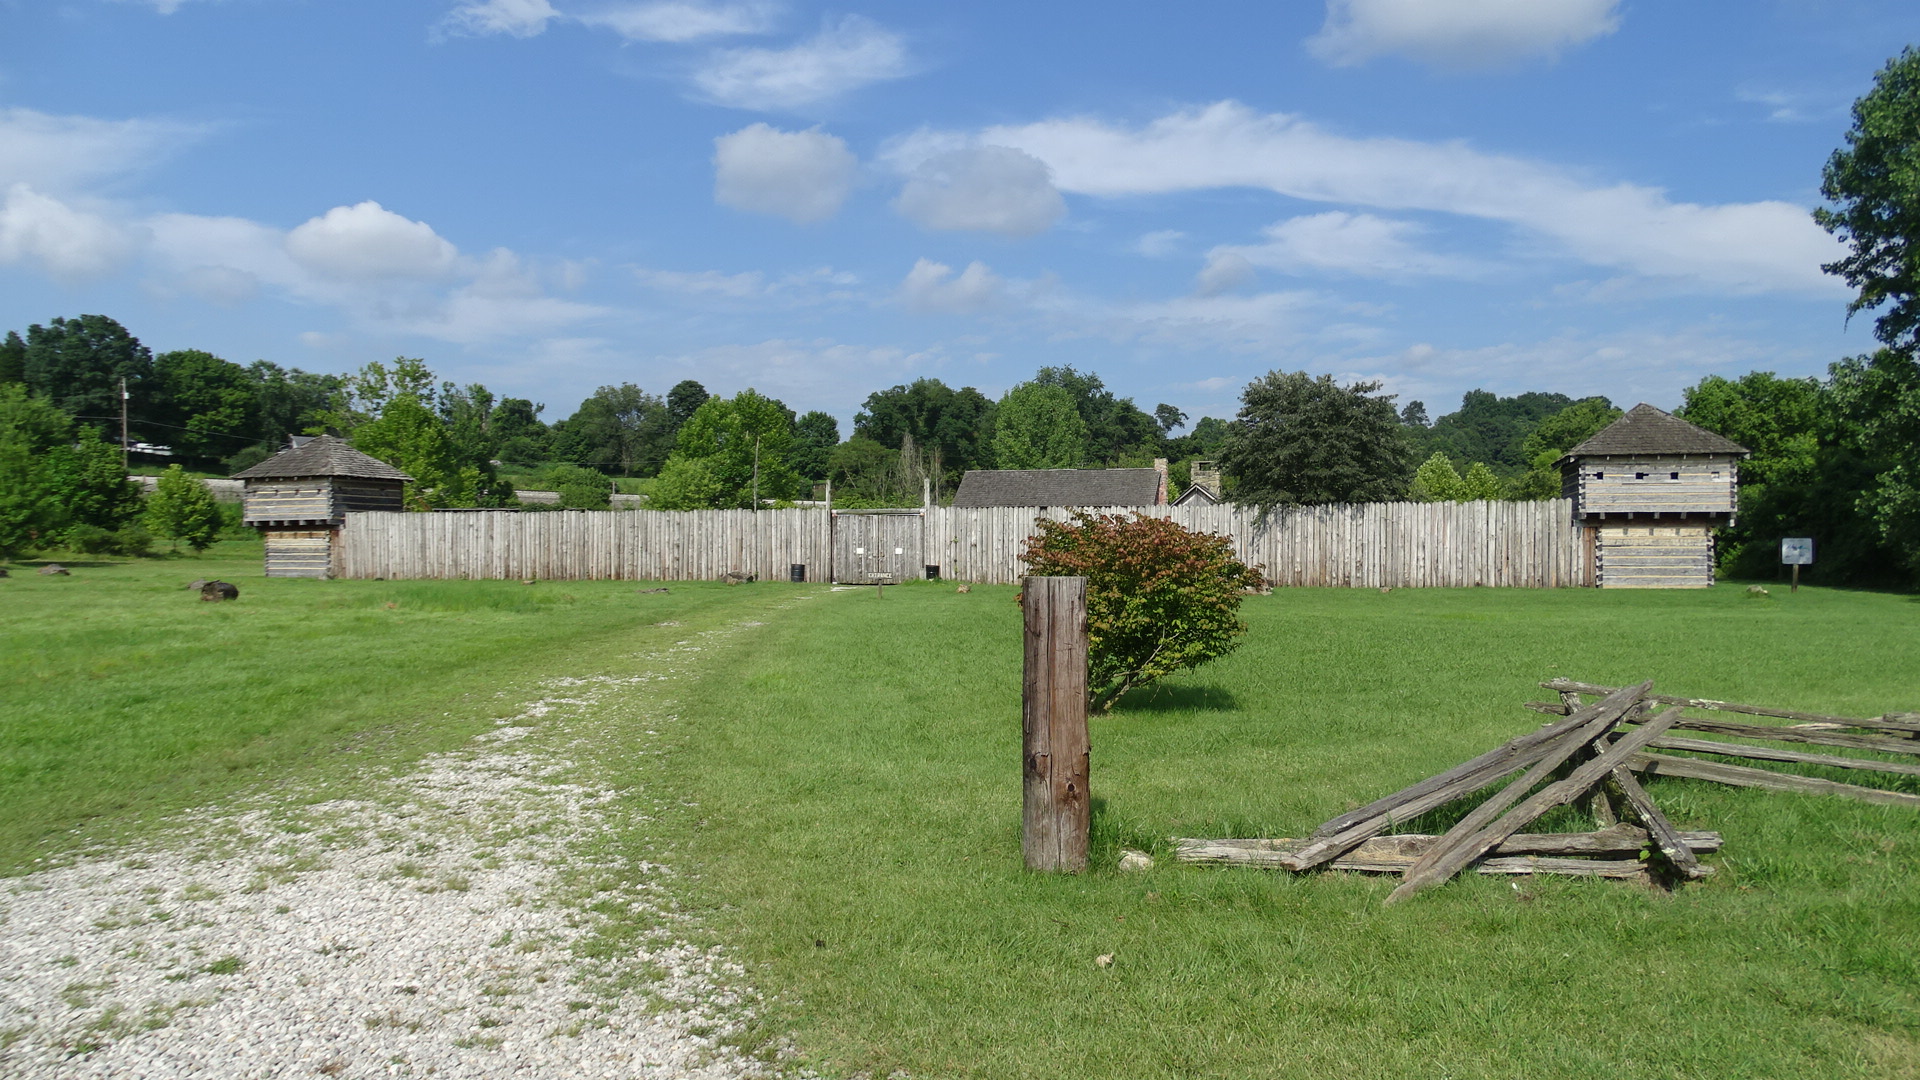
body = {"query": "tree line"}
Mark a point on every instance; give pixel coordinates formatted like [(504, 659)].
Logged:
[(1828, 454)]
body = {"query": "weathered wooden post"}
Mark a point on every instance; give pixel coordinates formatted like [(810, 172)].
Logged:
[(1055, 810)]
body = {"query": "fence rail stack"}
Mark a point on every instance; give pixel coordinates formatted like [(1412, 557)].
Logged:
[(1383, 545)]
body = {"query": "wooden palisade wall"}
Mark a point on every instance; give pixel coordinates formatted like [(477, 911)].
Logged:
[(1397, 545)]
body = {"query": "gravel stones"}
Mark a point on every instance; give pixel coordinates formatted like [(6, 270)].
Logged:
[(425, 929)]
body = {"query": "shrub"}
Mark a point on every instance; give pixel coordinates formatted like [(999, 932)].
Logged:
[(181, 508), (1160, 598), (580, 488), (129, 539)]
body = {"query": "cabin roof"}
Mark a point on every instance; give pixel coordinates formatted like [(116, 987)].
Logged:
[(1058, 487), (323, 455), (1650, 431)]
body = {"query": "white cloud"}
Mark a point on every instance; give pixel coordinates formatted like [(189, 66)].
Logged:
[(705, 282), (802, 176), (678, 22), (1225, 271), (1459, 34), (1343, 243), (57, 153), (70, 244), (163, 7), (931, 287), (1160, 243), (503, 300), (982, 189), (845, 55), (367, 241), (1736, 247), (520, 18)]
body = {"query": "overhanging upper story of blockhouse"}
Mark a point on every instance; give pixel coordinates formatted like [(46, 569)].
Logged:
[(1651, 465), (319, 482)]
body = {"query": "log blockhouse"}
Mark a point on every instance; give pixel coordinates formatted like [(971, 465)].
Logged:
[(300, 497), (1649, 490)]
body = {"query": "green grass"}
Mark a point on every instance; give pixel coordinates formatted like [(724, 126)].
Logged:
[(856, 837), (841, 788), (123, 697)]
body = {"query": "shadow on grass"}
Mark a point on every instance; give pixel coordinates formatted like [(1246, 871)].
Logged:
[(1181, 698)]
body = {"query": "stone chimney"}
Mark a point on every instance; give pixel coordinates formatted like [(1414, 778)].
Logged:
[(1160, 495), (1206, 477)]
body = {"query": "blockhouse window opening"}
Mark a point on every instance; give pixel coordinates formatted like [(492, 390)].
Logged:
[(1673, 476), (1639, 476)]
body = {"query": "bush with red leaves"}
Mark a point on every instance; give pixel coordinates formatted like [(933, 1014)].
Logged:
[(1160, 598)]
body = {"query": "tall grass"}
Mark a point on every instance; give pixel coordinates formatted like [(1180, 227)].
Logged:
[(123, 697), (855, 829)]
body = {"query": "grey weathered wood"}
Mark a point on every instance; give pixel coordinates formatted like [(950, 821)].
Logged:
[(1669, 842), (1393, 545), (1768, 753), (1890, 722), (1742, 776), (1616, 841), (1055, 810), (1480, 831), (1543, 751), (1529, 750), (1778, 733)]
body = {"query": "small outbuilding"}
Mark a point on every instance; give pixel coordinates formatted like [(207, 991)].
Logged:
[(981, 488), (300, 497), (1650, 489)]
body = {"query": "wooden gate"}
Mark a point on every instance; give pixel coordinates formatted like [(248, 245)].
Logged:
[(874, 547)]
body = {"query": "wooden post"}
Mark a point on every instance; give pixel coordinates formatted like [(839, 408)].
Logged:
[(1055, 812)]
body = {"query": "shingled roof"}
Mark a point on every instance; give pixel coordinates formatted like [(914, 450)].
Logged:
[(322, 455), (1058, 487), (1647, 430)]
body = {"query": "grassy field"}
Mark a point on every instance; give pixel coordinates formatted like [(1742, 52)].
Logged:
[(123, 697), (857, 837), (843, 788)]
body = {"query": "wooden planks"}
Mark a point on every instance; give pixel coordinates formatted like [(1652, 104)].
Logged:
[(1377, 545), (1394, 854), (1891, 722), (1741, 776)]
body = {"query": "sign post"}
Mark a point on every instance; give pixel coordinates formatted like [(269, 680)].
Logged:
[(1796, 551)]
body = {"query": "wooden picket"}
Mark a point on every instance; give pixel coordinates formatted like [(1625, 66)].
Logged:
[(1375, 545)]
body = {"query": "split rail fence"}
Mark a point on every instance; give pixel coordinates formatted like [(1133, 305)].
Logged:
[(1383, 545)]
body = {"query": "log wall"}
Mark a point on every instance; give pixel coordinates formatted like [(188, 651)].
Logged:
[(1398, 545)]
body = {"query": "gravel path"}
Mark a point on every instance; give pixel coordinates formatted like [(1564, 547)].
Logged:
[(424, 930)]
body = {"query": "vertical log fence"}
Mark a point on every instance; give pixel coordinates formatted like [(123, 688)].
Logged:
[(1375, 545)]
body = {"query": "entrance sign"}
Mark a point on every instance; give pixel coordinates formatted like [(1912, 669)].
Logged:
[(1796, 551)]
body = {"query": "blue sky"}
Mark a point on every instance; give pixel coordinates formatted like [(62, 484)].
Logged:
[(1587, 196)]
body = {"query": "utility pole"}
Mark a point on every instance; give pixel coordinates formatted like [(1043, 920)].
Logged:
[(123, 424)]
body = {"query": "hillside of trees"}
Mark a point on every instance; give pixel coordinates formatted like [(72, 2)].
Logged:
[(1827, 457)]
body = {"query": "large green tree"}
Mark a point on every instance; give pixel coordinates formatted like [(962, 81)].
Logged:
[(182, 510), (1874, 185), (13, 358), (731, 452), (56, 476), (209, 403), (949, 428), (1036, 426), (1551, 438), (619, 429), (1299, 439), (1877, 400), (1116, 427), (77, 364), (815, 435)]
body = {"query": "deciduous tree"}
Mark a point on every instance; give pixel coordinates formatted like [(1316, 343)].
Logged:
[(1874, 185), (1037, 427), (182, 510), (1303, 440)]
